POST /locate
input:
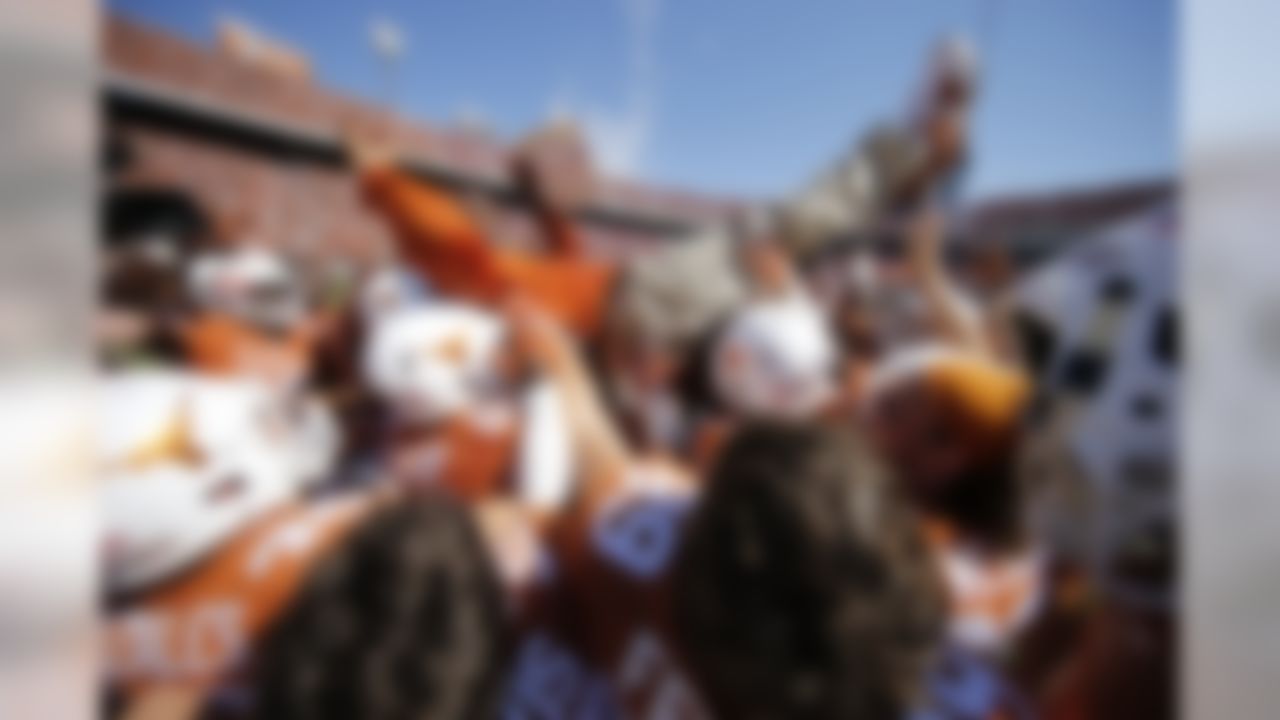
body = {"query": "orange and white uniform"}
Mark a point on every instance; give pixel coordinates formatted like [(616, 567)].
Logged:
[(198, 628), (471, 455), (613, 651), (224, 346), (464, 426), (434, 365), (202, 531), (518, 450), (438, 237)]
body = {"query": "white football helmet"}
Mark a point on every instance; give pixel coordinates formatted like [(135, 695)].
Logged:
[(185, 463), (776, 358), (431, 361), (253, 284), (1098, 327)]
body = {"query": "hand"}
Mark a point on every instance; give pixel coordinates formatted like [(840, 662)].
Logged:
[(554, 166), (923, 235), (947, 137), (956, 320), (536, 335), (367, 149)]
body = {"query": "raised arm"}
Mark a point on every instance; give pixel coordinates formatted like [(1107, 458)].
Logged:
[(601, 452), (559, 232), (552, 166), (432, 229), (438, 235), (956, 319)]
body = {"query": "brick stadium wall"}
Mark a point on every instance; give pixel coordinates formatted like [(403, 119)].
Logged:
[(312, 207), (1052, 217), (299, 207)]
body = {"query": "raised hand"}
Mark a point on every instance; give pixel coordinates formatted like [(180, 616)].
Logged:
[(538, 338), (554, 165), (923, 235)]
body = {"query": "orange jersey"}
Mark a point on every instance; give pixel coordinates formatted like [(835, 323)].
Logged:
[(471, 456), (613, 647), (200, 628), (221, 345), (437, 235)]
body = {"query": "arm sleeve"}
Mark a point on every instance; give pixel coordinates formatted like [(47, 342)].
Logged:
[(435, 234)]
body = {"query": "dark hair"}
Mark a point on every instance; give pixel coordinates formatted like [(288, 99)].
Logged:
[(986, 500), (404, 620), (804, 588)]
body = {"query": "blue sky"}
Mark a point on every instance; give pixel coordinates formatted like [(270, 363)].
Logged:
[(753, 96)]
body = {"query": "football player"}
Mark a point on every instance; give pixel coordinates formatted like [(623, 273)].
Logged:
[(948, 421), (228, 593), (465, 415), (794, 582)]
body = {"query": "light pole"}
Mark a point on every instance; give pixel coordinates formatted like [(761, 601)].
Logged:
[(389, 44)]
